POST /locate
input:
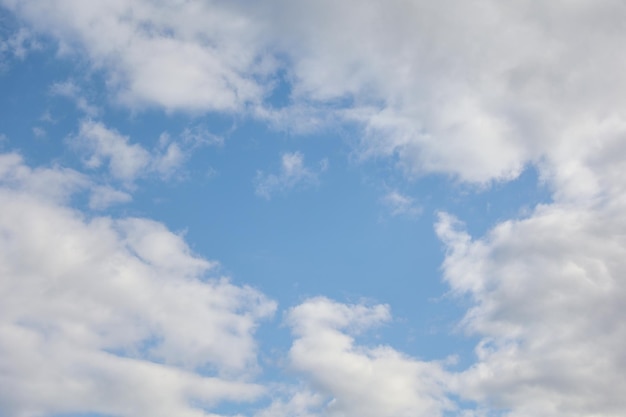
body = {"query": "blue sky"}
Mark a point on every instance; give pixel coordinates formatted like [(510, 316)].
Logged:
[(311, 209)]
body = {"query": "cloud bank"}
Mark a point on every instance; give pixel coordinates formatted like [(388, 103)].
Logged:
[(113, 316)]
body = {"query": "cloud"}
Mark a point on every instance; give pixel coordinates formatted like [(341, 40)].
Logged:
[(69, 89), (39, 132), (472, 90), (125, 161), (429, 86), (18, 45), (300, 403), (293, 173), (115, 316), (357, 380), (200, 136), (192, 56), (547, 295), (434, 88), (400, 204), (55, 184), (105, 196)]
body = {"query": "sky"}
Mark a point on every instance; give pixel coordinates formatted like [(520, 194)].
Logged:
[(399, 208)]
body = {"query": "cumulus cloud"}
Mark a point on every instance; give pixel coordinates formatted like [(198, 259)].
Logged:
[(430, 85), (112, 316), (178, 55), (358, 380), (55, 184), (475, 90), (548, 293), (293, 173), (126, 161), (433, 87)]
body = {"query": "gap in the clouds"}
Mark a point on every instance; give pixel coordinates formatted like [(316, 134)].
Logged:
[(482, 209), (332, 238), (326, 239), (280, 93)]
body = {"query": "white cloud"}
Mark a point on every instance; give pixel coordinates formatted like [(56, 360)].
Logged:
[(128, 161), (429, 84), (55, 184), (189, 55), (39, 132), (547, 300), (293, 173), (125, 161), (18, 45), (104, 196), (475, 90), (400, 204), (433, 86), (69, 89), (115, 316), (300, 403), (357, 380), (200, 136)]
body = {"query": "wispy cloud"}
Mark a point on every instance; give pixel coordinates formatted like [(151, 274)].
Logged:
[(293, 173), (104, 196), (401, 205), (18, 45), (126, 161), (69, 89)]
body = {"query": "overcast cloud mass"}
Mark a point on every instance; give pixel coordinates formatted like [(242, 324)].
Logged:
[(326, 150)]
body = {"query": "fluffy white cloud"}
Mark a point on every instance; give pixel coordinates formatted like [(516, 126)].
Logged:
[(101, 145), (472, 89), (54, 184), (357, 380), (112, 316), (548, 294), (189, 55), (128, 161), (292, 173)]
